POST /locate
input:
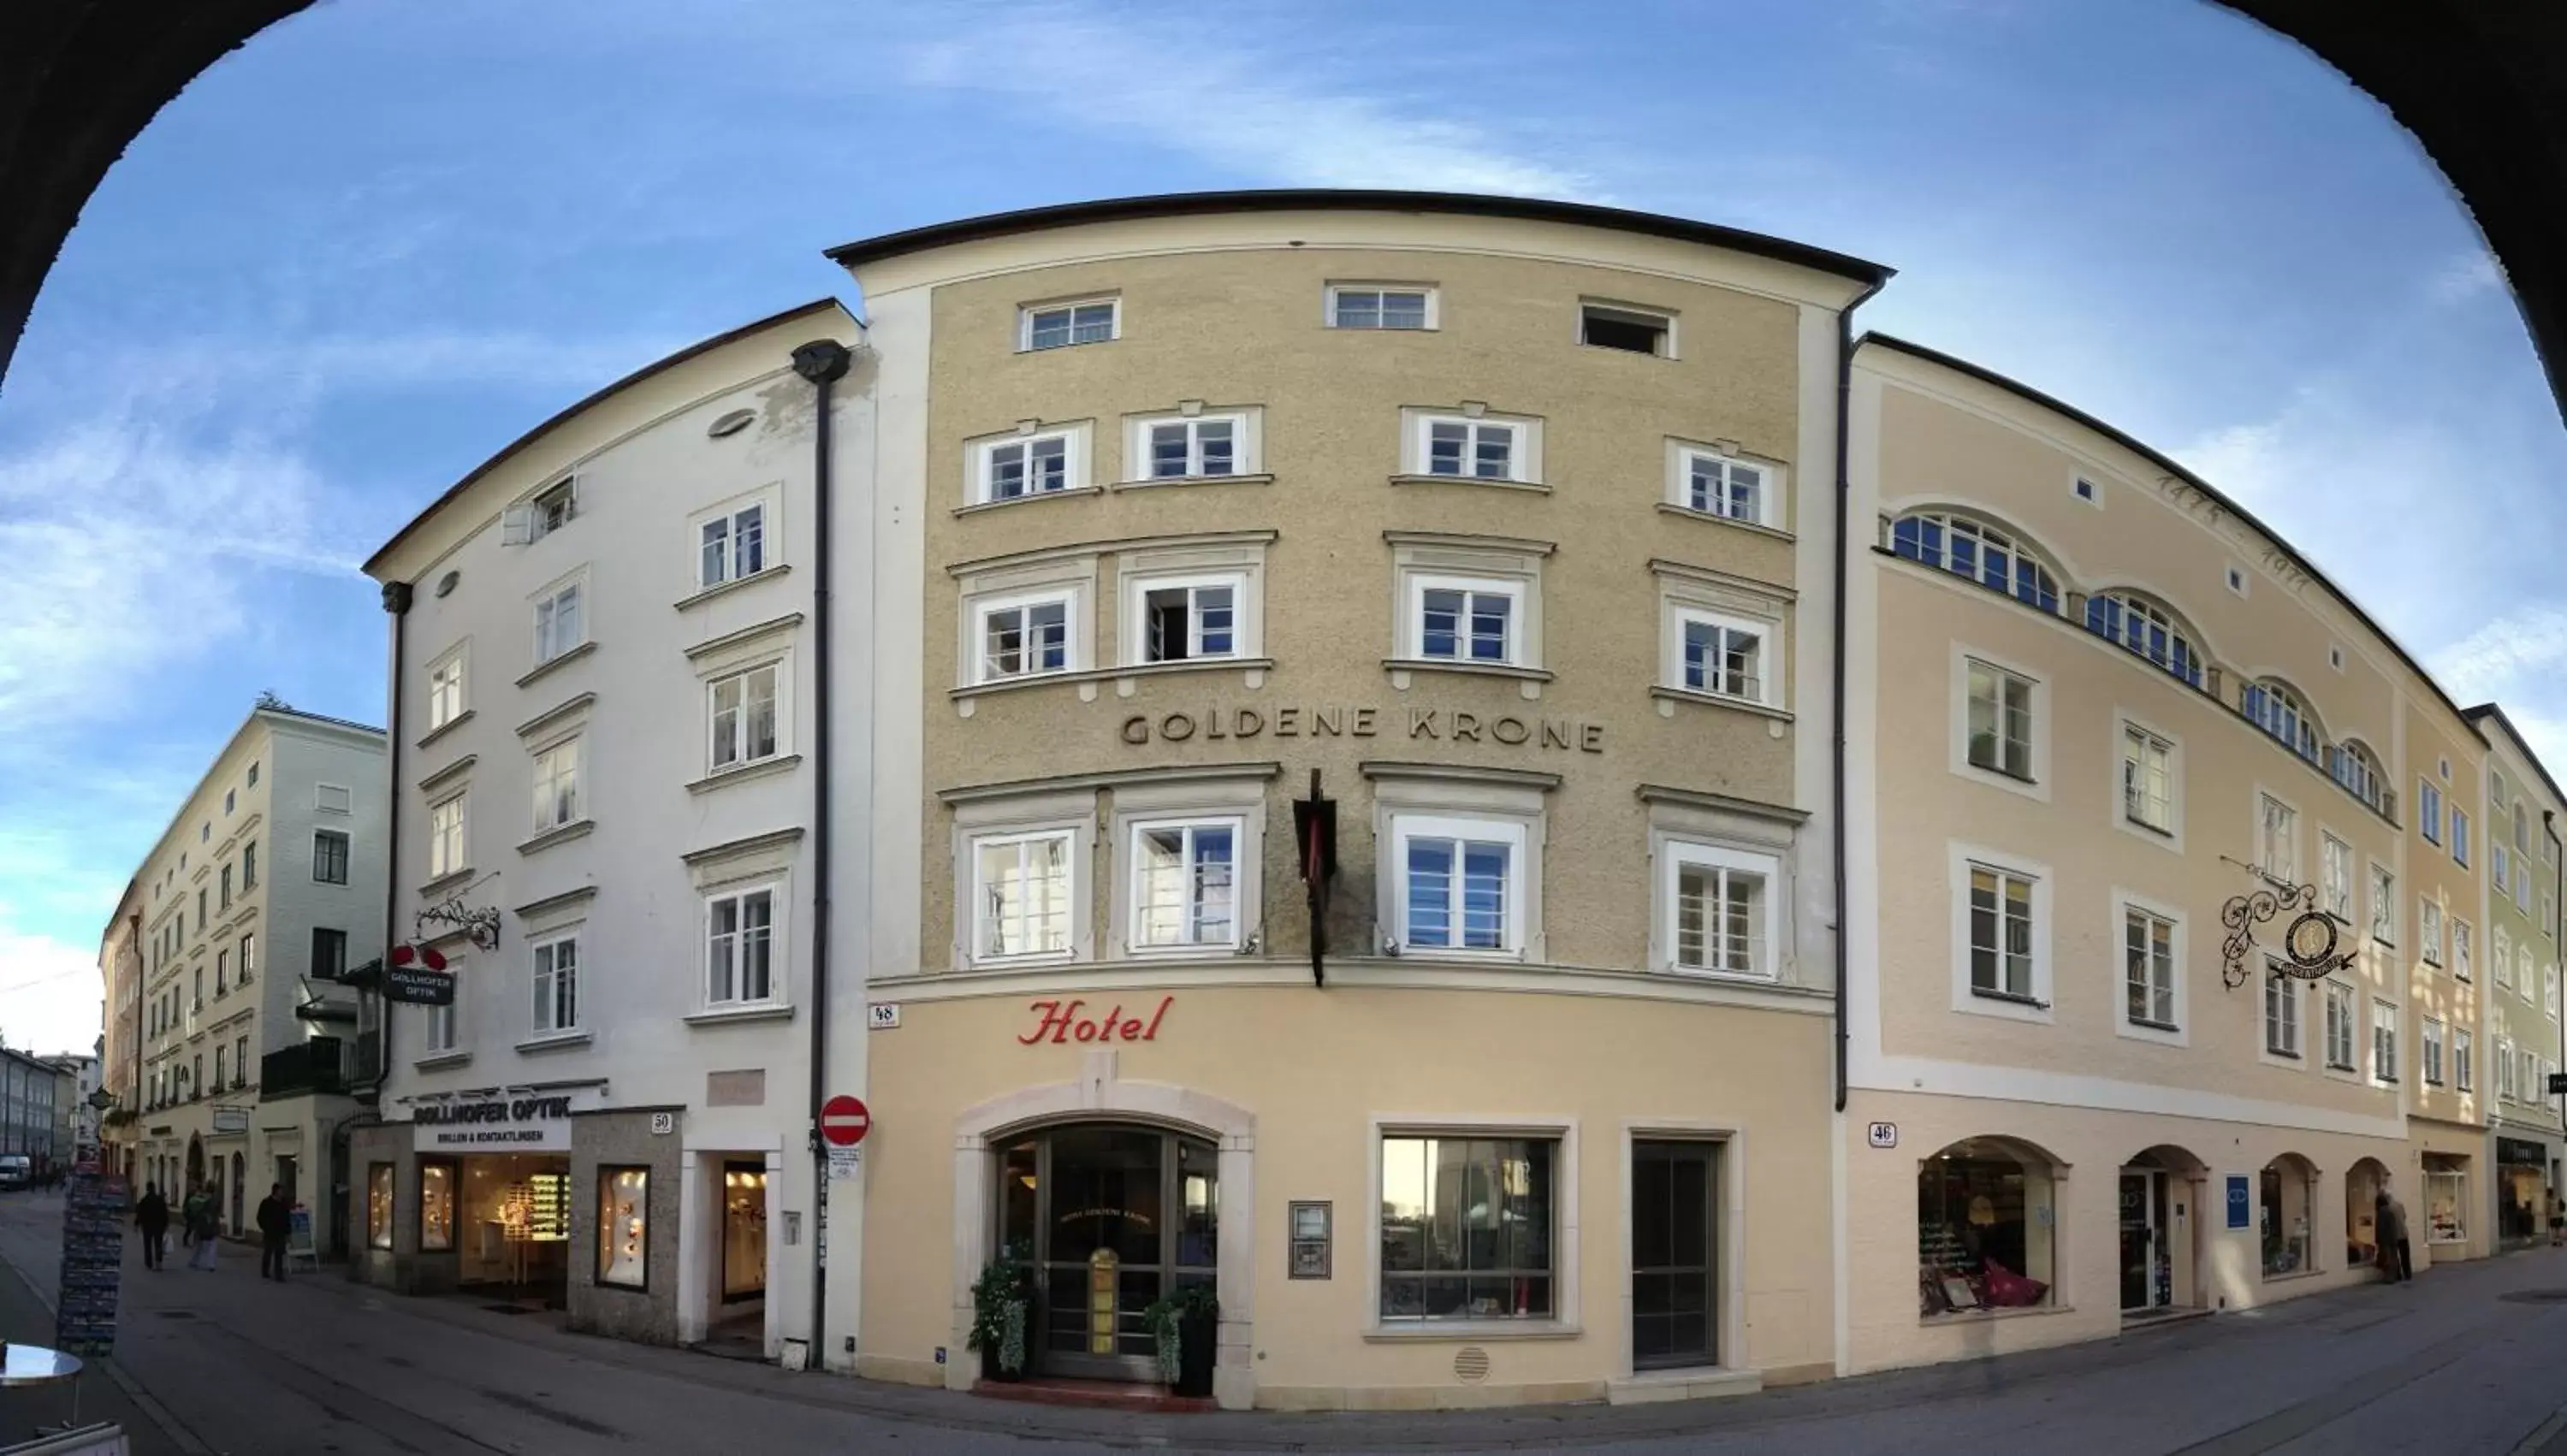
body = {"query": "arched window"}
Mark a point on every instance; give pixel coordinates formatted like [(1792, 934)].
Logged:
[(2279, 711), (2359, 772), (2289, 1191), (1984, 1221), (2147, 629), (1981, 552)]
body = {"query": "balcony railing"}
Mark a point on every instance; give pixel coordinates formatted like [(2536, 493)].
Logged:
[(316, 1064)]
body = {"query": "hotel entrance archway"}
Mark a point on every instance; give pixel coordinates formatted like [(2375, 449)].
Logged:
[(1108, 1218)]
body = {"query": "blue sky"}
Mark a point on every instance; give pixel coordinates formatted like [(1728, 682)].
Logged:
[(363, 253)]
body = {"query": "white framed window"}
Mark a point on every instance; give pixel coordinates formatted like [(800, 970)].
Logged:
[(445, 689), (1381, 306), (2549, 990), (2002, 931), (2522, 972), (741, 946), (2429, 810), (2341, 1021), (1184, 619), (1726, 656), (1629, 329), (2501, 954), (743, 716), (2281, 1013), (561, 621), (2383, 1041), (2282, 714), (2461, 948), (2147, 630), (733, 541), (1203, 445), (1466, 620), (557, 796), (1708, 480), (1460, 884), (2507, 1079), (2000, 721), (2500, 869), (446, 854), (2151, 968), (1015, 467), (1978, 551), (2428, 929), (1021, 897), (2432, 1052), (2384, 904), (1185, 884), (2147, 779), (1062, 325), (1461, 446), (2463, 1075), (556, 985), (437, 1027), (1024, 636), (2277, 839), (1719, 910), (2335, 877), (2460, 836), (538, 516)]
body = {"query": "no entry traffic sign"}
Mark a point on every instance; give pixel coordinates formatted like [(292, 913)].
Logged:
[(844, 1121)]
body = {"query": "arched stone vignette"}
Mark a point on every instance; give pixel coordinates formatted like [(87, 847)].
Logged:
[(1102, 1093)]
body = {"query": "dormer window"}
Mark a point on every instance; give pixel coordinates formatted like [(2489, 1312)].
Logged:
[(547, 511), (1971, 548), (2280, 714), (2145, 629)]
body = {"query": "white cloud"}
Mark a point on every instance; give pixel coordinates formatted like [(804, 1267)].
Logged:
[(1255, 102), (51, 995), (2466, 277)]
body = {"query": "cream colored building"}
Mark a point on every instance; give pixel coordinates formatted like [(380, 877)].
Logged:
[(119, 968), (267, 885), (2096, 704), (1511, 523), (2523, 1148)]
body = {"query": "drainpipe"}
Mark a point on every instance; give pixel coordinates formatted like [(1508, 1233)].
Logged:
[(823, 362), (1837, 665), (397, 600)]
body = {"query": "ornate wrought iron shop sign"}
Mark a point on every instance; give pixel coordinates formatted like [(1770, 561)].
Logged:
[(2309, 945)]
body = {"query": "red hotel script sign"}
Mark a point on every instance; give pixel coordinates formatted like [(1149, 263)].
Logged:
[(1061, 1024)]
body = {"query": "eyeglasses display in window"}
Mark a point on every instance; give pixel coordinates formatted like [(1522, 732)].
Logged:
[(623, 1226)]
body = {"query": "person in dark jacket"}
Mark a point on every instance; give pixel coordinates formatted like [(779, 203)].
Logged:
[(151, 1215), (274, 1220)]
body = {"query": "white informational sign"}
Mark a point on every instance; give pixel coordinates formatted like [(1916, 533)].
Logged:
[(844, 1162), (886, 1015), (500, 1122), (1885, 1135)]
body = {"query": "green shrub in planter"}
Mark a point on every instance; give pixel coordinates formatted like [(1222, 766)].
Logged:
[(1002, 1301), (1185, 1328)]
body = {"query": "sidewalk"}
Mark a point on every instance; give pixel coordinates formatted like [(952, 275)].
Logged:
[(27, 1317)]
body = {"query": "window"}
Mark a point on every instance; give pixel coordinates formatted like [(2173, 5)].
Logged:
[(436, 1182), (1061, 324), (240, 1061), (201, 917), (249, 867), (2288, 1198), (557, 785), (2464, 1077), (1633, 331), (1467, 1227), (2147, 779), (2281, 1013), (1185, 893), (1461, 885), (1478, 449), (2086, 489), (624, 1227), (2549, 990), (222, 1065), (2148, 968), (2282, 715), (2460, 836), (1023, 465), (225, 895), (2383, 1041), (1182, 448), (439, 1023), (743, 716), (252, 781), (730, 545), (1728, 487), (740, 949), (2340, 1036), (228, 803), (2000, 721), (2001, 934), (2428, 929), (2432, 1052), (329, 953), (1461, 620), (2353, 766), (1185, 620), (1984, 1204), (446, 689), (329, 857), (2384, 906), (1367, 307), (446, 838), (2461, 948), (2277, 840), (2147, 629), (1724, 657), (558, 628), (2502, 957), (2335, 877), (379, 1206), (2429, 810), (1722, 903), (2501, 868), (1983, 553), (222, 972), (557, 986), (1022, 637), (2237, 580), (1022, 891), (2508, 1087), (2522, 973), (551, 510)]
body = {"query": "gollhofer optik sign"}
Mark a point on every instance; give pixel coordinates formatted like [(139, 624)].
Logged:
[(494, 1124)]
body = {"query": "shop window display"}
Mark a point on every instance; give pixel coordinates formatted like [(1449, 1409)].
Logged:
[(379, 1206), (1985, 1228), (436, 1207), (1466, 1227), (623, 1227), (2289, 1191), (2447, 1194)]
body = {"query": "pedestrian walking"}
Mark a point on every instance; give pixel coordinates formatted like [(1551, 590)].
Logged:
[(151, 1216), (2397, 1255), (2557, 1219), (201, 1228), (274, 1220)]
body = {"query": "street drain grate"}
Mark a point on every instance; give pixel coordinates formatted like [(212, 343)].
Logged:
[(2535, 1297)]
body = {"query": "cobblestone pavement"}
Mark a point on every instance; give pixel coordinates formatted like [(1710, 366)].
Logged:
[(2457, 1364)]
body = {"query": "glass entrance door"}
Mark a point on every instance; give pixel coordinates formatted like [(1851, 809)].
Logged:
[(2147, 1274), (743, 1248), (1674, 1254), (1109, 1219)]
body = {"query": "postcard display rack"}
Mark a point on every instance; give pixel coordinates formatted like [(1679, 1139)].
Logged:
[(93, 1250)]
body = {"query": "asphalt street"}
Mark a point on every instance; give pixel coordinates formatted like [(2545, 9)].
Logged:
[(2470, 1359)]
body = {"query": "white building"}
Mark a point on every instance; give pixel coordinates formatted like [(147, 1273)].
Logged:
[(605, 695)]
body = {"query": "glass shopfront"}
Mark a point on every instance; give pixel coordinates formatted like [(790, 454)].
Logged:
[(512, 1223), (2148, 1264), (2447, 1199), (743, 1243), (2522, 1191), (1985, 1225), (1109, 1219)]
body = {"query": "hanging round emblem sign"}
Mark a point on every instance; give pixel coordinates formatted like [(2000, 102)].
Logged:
[(2311, 942)]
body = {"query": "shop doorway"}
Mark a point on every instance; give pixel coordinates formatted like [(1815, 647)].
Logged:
[(1675, 1254), (514, 1228), (1109, 1219), (739, 1310), (2147, 1262), (241, 1176), (2522, 1192), (195, 1164)]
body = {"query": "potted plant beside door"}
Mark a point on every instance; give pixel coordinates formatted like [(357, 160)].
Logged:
[(1003, 1302), (1186, 1328)]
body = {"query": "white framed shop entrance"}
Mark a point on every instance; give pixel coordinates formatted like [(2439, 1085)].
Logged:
[(2160, 1203), (1101, 1096), (1711, 1366), (731, 1195)]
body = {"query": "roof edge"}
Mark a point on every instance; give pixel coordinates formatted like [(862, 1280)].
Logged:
[(2513, 731), (2162, 460), (658, 366), (1353, 199)]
